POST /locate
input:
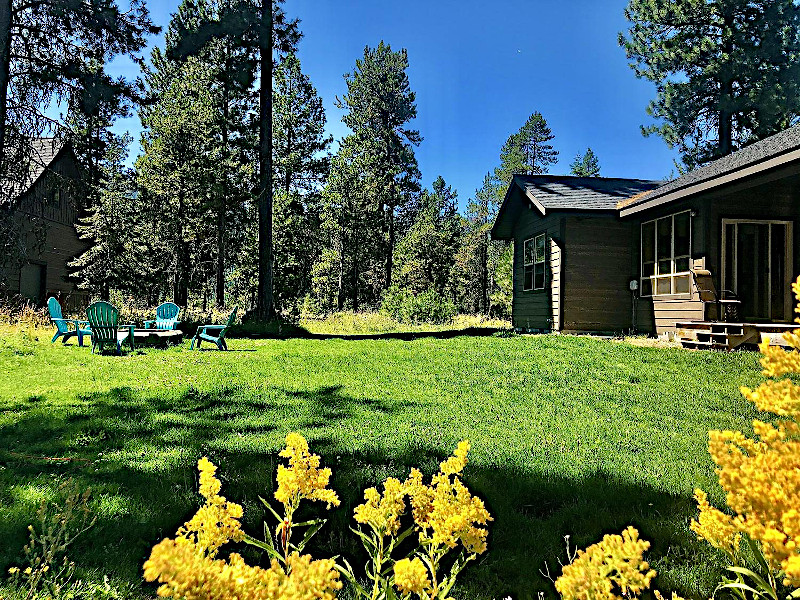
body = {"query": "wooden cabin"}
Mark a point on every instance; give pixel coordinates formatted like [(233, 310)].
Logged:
[(43, 211), (629, 267)]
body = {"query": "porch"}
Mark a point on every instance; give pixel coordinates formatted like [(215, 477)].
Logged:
[(717, 335)]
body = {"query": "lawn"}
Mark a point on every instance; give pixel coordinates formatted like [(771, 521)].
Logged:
[(570, 436)]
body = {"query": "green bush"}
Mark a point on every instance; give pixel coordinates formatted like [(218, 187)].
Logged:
[(428, 307)]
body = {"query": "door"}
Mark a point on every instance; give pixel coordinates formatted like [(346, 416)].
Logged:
[(31, 283), (757, 266)]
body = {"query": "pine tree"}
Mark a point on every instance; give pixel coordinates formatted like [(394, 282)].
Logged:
[(586, 165), (426, 253), (46, 46), (106, 223), (300, 166), (727, 72), (380, 104), (527, 152)]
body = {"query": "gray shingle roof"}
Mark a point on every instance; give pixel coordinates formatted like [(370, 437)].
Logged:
[(42, 153), (771, 147), (560, 192)]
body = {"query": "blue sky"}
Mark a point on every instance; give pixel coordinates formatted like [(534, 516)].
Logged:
[(479, 70)]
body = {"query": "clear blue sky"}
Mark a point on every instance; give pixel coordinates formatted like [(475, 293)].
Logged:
[(479, 70)]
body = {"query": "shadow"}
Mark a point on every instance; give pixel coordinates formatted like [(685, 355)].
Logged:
[(138, 454), (301, 333)]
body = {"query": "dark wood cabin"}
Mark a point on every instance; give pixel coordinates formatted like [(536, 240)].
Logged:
[(617, 255), (43, 211), (571, 251)]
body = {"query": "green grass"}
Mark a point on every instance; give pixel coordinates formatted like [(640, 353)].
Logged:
[(569, 435)]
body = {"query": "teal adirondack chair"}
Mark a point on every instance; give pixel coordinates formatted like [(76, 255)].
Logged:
[(79, 329), (104, 323), (206, 332), (166, 317)]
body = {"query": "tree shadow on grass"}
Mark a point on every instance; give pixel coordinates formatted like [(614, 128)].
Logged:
[(138, 453)]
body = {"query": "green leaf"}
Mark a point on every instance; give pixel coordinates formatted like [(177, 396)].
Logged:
[(310, 533), (267, 547), (272, 510)]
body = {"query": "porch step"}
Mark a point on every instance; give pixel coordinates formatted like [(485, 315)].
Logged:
[(711, 335)]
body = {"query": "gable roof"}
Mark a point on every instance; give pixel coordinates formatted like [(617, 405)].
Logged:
[(43, 152), (760, 156), (558, 193)]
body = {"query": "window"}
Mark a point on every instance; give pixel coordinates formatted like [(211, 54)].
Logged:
[(533, 260), (666, 253)]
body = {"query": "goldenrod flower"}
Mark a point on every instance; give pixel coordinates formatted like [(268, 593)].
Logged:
[(447, 508), (714, 526), (383, 513), (217, 521), (185, 572), (302, 478), (761, 475), (609, 570), (411, 576)]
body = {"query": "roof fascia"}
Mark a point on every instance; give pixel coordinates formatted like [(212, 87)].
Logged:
[(703, 186)]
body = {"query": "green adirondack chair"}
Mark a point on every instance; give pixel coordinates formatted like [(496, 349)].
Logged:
[(106, 330), (207, 332), (79, 328), (166, 317)]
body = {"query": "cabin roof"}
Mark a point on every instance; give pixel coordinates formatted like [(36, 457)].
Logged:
[(755, 158), (556, 193), (43, 152)]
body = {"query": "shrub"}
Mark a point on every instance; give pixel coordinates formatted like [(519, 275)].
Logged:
[(428, 307)]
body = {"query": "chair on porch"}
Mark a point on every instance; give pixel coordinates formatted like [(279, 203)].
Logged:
[(104, 323), (726, 301), (166, 317), (80, 328)]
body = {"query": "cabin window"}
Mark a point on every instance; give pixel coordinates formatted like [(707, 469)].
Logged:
[(533, 263), (666, 253)]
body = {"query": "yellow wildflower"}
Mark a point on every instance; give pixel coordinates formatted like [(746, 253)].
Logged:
[(714, 526), (383, 513), (608, 570), (302, 478), (761, 475), (217, 521), (411, 576), (448, 508), (185, 572)]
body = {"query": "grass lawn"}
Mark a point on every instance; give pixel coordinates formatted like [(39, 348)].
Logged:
[(569, 435)]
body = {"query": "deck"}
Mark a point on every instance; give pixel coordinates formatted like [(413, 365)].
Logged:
[(717, 335)]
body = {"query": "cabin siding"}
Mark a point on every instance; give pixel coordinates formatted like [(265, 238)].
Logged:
[(538, 309), (597, 274), (47, 225)]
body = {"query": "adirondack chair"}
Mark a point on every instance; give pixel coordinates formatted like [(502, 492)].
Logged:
[(726, 301), (104, 323), (166, 317), (206, 332), (80, 328)]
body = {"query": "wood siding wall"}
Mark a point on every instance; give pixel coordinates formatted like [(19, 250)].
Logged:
[(538, 309), (48, 233), (597, 274)]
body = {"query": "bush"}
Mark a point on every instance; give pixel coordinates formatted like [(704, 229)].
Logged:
[(428, 307)]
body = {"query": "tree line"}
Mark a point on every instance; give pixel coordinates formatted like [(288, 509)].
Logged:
[(238, 196)]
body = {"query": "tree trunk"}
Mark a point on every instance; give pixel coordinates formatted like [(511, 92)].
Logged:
[(725, 145), (222, 204), (340, 283), (181, 292), (5, 73), (390, 250), (265, 304), (355, 285), (484, 275)]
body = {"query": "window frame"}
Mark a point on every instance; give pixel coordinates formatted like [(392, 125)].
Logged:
[(532, 265), (674, 275)]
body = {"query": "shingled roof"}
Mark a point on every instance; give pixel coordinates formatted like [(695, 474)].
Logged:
[(549, 193), (765, 154), (43, 151)]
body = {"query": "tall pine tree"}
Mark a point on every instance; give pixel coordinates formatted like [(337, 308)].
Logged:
[(586, 165), (727, 72)]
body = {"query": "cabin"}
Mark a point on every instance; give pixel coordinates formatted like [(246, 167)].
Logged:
[(40, 214), (583, 265)]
